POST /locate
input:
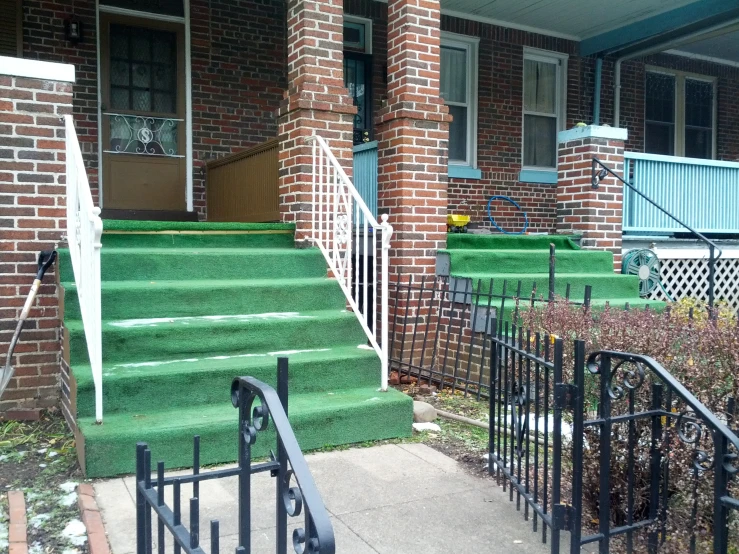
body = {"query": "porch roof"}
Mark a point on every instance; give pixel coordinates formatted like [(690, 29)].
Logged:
[(603, 26)]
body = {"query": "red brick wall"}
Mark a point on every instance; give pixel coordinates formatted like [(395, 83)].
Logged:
[(238, 78), (43, 39), (32, 216)]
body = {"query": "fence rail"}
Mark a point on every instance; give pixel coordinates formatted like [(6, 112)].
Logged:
[(350, 238), (675, 183), (245, 186), (257, 405), (84, 231)]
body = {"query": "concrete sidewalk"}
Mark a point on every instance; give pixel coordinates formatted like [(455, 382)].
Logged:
[(390, 499)]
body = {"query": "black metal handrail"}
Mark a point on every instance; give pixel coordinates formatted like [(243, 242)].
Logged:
[(316, 536), (604, 171)]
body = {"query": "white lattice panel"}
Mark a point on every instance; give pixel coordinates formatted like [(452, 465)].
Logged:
[(688, 277)]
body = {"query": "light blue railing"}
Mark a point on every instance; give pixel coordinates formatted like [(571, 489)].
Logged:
[(702, 193), (365, 175)]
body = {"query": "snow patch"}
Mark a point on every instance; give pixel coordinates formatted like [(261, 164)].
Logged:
[(156, 321), (365, 347), (36, 548), (75, 532), (69, 486), (428, 426), (68, 499), (37, 520)]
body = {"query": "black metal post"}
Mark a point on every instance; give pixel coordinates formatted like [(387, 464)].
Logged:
[(160, 502), (194, 522), (720, 490), (177, 511), (655, 463), (140, 501), (604, 501), (552, 262), (214, 538), (577, 448), (557, 441), (245, 439), (282, 486)]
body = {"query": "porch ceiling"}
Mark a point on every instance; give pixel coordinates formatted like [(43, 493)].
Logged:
[(573, 19), (724, 47)]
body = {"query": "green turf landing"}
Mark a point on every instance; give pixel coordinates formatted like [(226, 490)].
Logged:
[(152, 226), (469, 241), (343, 416)]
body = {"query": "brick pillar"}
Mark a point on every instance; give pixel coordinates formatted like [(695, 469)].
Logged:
[(315, 101), (33, 97), (596, 214), (413, 130)]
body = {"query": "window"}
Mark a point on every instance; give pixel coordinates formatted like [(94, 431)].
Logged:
[(679, 115), (11, 33), (543, 107), (458, 88)]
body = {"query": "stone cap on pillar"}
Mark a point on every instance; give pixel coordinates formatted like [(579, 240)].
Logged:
[(593, 131)]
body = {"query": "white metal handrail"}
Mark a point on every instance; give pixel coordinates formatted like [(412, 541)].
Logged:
[(344, 228), (84, 230)]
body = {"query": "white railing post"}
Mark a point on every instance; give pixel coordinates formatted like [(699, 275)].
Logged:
[(84, 233), (339, 211)]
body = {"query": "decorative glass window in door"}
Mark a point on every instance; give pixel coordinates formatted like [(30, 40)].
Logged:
[(357, 82), (143, 80)]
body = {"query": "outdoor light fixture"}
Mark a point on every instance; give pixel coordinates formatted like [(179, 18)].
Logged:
[(73, 30), (598, 176)]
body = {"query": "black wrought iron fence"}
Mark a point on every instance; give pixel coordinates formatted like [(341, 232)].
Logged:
[(442, 327), (257, 404)]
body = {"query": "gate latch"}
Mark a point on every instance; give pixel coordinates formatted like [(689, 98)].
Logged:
[(563, 516), (564, 396)]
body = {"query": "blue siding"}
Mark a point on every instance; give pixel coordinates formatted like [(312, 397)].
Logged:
[(365, 175), (703, 193)]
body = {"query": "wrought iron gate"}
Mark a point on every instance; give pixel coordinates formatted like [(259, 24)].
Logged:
[(615, 451), (257, 403)]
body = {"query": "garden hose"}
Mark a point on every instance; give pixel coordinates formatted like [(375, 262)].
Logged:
[(644, 263), (45, 259), (511, 201)]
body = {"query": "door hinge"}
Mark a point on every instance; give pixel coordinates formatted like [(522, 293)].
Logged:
[(564, 396), (563, 517)]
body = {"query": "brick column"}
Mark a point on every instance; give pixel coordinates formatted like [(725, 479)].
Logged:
[(413, 130), (315, 101), (33, 97), (596, 214)]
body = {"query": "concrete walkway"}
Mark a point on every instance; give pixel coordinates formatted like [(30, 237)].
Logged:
[(390, 499)]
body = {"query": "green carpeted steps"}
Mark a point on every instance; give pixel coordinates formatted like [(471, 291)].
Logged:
[(186, 307), (136, 386), (158, 299), (158, 264), (138, 340), (525, 258), (321, 419)]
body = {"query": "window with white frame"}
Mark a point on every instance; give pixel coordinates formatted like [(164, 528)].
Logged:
[(543, 107), (679, 114), (458, 88)]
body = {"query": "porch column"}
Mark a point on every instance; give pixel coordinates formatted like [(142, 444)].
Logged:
[(315, 101), (413, 130), (596, 214)]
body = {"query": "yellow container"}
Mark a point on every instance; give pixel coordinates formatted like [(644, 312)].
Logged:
[(454, 220)]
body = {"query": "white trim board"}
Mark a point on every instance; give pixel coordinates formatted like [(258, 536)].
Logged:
[(35, 69)]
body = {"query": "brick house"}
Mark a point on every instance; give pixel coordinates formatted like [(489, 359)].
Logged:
[(455, 103)]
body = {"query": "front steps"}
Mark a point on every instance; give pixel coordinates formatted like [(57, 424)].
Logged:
[(186, 307), (525, 258)]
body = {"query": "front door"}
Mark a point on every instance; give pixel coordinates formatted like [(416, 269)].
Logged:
[(143, 114)]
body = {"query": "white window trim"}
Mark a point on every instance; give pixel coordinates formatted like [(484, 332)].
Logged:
[(680, 78), (546, 56), (472, 46), (367, 30)]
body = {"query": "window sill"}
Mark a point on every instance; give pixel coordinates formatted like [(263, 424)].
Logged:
[(542, 176), (463, 172)]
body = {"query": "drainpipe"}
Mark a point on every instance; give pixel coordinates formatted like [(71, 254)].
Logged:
[(692, 37), (596, 99)]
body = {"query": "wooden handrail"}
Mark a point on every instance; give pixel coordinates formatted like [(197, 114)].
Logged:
[(236, 156)]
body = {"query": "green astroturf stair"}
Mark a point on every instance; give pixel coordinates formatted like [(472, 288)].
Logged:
[(525, 258), (186, 307)]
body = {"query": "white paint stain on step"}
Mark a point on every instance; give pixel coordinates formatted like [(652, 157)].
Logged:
[(157, 321), (158, 363)]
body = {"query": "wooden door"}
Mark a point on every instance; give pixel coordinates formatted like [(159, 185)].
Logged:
[(143, 114)]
